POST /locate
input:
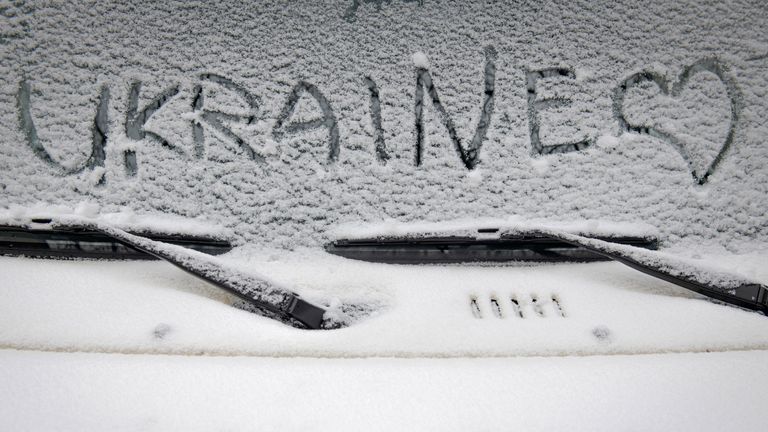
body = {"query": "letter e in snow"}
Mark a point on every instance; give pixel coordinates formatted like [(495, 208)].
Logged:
[(536, 105)]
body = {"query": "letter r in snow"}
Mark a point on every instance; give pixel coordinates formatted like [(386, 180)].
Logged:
[(217, 121)]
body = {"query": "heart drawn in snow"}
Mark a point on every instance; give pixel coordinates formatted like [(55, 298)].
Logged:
[(688, 116)]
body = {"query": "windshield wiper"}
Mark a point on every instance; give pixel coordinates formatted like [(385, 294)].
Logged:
[(725, 287), (41, 240), (488, 246), (262, 296), (555, 245), (270, 300)]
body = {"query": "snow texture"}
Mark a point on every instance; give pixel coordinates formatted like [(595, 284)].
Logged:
[(470, 227), (420, 60), (421, 311), (282, 120), (92, 392), (285, 124), (126, 219)]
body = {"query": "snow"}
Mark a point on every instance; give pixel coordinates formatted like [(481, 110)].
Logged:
[(422, 311), (296, 196), (541, 165), (92, 392), (470, 227), (272, 133), (475, 177), (420, 60), (126, 219)]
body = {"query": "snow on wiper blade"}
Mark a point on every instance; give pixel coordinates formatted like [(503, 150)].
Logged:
[(486, 247), (726, 287), (257, 293), (546, 244), (42, 241)]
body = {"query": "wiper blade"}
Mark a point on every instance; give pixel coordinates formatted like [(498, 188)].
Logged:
[(262, 296), (725, 287), (551, 245), (464, 249), (43, 241)]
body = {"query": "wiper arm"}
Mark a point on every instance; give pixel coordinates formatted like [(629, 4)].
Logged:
[(489, 246), (549, 245), (728, 288), (272, 301), (42, 241), (262, 296)]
